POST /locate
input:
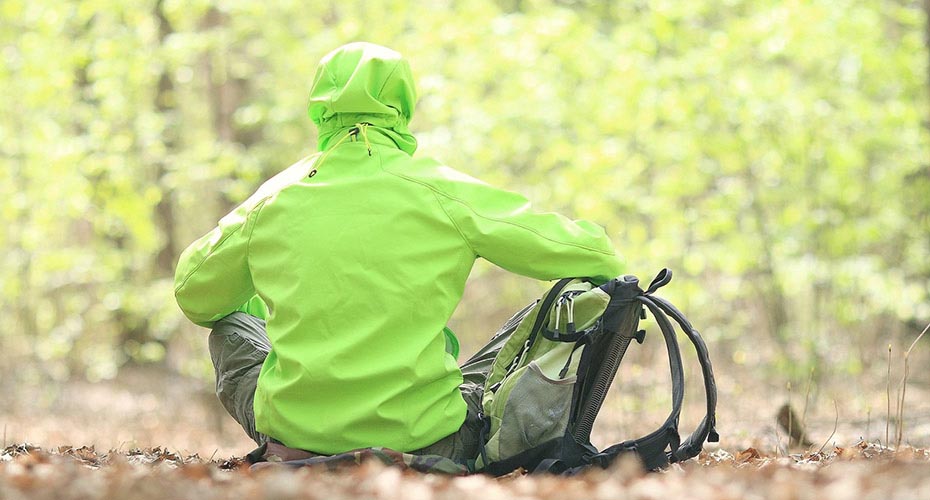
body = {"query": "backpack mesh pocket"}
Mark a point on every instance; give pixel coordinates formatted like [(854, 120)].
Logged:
[(536, 407)]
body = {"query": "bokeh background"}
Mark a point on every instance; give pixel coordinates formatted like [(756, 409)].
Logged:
[(773, 153)]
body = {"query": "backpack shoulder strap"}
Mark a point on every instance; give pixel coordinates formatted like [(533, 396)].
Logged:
[(706, 430), (664, 445)]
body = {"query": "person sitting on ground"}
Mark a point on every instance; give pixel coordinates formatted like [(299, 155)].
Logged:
[(328, 290)]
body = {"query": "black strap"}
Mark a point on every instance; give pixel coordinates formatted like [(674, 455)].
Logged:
[(551, 465), (257, 455), (706, 430), (556, 336), (565, 449), (483, 437), (661, 279), (543, 313), (651, 448), (674, 355)]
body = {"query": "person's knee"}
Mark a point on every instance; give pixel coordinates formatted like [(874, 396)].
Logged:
[(234, 323), (223, 329), (221, 343), (239, 330)]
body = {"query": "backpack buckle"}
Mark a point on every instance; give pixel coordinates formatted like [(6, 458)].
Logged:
[(568, 301)]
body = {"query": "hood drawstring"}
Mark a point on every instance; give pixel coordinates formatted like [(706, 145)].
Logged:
[(363, 129), (359, 128)]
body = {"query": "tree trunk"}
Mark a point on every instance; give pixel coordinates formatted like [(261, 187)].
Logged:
[(165, 104), (925, 171), (226, 93)]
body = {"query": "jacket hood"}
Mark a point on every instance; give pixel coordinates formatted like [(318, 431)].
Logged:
[(363, 83)]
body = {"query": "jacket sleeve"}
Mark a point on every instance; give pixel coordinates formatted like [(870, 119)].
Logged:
[(501, 226), (213, 279)]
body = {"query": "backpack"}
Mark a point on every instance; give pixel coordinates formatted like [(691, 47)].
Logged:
[(550, 378)]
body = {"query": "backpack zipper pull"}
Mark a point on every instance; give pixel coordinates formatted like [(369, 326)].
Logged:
[(564, 371)]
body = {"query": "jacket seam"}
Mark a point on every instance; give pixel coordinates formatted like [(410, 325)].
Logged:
[(530, 229), (437, 191), (248, 244), (386, 80), (438, 202), (454, 223), (332, 79)]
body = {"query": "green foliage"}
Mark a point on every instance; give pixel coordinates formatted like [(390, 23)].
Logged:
[(770, 152)]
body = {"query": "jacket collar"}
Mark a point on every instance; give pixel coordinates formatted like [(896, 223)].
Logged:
[(383, 130)]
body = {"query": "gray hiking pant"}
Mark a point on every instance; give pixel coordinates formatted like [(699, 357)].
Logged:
[(239, 345)]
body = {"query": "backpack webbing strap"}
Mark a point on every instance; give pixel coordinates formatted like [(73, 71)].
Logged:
[(557, 336), (542, 315), (663, 278), (706, 430), (651, 448), (541, 458)]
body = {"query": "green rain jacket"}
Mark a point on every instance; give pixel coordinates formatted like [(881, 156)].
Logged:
[(361, 253)]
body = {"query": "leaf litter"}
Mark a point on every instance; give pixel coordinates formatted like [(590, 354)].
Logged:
[(862, 471)]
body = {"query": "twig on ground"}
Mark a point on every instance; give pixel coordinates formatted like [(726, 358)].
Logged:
[(778, 440), (888, 398), (836, 422), (790, 418), (868, 423), (807, 397), (907, 355)]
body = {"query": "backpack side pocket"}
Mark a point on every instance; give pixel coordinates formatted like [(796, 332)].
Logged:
[(536, 407)]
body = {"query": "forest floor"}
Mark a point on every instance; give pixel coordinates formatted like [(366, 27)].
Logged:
[(863, 471), (147, 435)]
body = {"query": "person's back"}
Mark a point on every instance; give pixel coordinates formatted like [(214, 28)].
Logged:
[(361, 253)]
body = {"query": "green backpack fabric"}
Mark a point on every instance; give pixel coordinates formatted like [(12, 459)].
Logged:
[(551, 377)]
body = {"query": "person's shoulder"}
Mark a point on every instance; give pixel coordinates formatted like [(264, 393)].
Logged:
[(281, 181), (287, 177), (432, 173)]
